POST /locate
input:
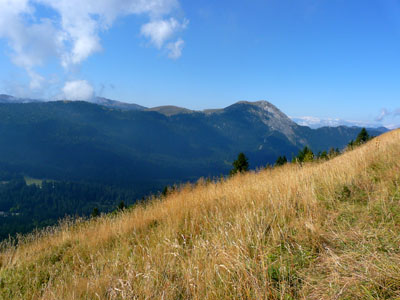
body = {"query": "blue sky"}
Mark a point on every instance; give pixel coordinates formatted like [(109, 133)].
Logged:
[(323, 58)]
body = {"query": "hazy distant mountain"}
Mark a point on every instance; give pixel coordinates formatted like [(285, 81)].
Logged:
[(392, 126), (11, 99), (97, 100), (75, 140), (314, 122), (117, 104)]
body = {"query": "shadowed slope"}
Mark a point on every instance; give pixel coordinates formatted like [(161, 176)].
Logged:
[(320, 231), (80, 141)]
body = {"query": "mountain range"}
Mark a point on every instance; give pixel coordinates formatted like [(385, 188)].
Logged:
[(71, 157), (127, 144), (168, 110), (314, 122)]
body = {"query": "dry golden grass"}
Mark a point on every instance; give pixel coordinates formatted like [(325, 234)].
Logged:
[(318, 231)]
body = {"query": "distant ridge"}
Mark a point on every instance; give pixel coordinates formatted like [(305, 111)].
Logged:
[(314, 122), (11, 99), (170, 110), (78, 140), (117, 104)]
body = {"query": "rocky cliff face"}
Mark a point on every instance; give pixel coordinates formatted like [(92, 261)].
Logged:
[(271, 116)]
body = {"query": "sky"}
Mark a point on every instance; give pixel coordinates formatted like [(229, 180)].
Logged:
[(319, 58)]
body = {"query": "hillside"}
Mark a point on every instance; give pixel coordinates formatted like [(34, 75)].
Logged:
[(318, 231), (93, 156), (80, 141)]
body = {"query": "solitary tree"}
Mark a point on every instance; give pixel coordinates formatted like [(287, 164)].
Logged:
[(309, 156), (362, 137), (121, 205), (241, 164), (95, 212), (165, 191), (281, 161), (324, 155), (305, 155)]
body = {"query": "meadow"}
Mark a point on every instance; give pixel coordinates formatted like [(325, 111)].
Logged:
[(320, 230)]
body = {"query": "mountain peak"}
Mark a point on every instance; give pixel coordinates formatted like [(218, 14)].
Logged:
[(263, 104), (266, 113), (263, 107)]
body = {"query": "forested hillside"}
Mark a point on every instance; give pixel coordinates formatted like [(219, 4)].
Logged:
[(79, 141), (92, 156), (25, 207), (318, 230)]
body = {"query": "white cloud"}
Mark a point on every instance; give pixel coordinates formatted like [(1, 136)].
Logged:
[(82, 21), (384, 113), (31, 44), (387, 114), (175, 49), (36, 80), (73, 33), (78, 90), (159, 31), (392, 126)]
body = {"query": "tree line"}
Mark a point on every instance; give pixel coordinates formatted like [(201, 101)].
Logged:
[(25, 207), (241, 164)]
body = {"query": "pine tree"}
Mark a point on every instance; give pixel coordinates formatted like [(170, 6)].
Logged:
[(324, 155), (362, 137), (165, 191), (305, 155), (309, 156), (281, 161), (95, 212), (241, 164), (121, 205)]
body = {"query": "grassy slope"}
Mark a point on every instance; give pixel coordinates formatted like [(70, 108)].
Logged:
[(321, 231)]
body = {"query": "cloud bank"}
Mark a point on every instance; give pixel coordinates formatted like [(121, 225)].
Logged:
[(72, 32), (385, 113), (78, 90), (161, 30)]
